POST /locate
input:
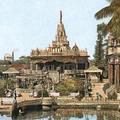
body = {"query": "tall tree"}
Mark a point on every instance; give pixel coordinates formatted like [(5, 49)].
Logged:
[(113, 12), (100, 48)]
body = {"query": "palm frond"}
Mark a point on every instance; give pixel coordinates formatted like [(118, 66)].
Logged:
[(105, 12)]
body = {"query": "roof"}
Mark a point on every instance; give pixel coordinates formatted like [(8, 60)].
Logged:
[(93, 69), (11, 71), (19, 66), (75, 48)]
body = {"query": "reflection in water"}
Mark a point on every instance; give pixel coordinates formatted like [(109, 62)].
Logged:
[(68, 114)]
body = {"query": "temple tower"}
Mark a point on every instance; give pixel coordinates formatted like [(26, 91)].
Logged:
[(61, 37)]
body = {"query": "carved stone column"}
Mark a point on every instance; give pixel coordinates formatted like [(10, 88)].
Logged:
[(36, 67), (110, 71), (31, 66), (117, 76)]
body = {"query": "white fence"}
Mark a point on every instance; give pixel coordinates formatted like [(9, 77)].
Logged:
[(55, 94)]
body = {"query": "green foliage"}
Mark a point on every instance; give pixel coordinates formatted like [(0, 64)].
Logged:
[(101, 47), (45, 93), (23, 60), (2, 87), (62, 89), (4, 62), (69, 86), (10, 83), (113, 12), (4, 65), (3, 68), (6, 84)]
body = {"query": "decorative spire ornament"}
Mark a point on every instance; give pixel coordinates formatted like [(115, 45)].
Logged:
[(60, 16)]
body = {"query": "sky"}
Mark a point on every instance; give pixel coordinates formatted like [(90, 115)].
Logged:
[(31, 24)]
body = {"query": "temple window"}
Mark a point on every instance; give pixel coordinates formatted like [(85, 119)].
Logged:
[(81, 66)]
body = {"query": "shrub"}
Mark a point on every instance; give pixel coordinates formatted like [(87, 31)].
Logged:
[(69, 86), (45, 93)]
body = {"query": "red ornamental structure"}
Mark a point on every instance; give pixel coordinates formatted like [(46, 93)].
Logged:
[(114, 62)]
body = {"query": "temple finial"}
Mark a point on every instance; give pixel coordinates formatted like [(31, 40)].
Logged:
[(60, 16)]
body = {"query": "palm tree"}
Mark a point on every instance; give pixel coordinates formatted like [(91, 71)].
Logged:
[(112, 11)]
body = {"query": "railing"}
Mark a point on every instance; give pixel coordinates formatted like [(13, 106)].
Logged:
[(74, 71), (67, 101)]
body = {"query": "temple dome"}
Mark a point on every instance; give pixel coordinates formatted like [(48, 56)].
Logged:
[(75, 48), (8, 55)]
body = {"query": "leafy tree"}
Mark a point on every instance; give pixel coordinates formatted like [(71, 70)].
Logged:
[(100, 54), (22, 60), (113, 12), (4, 65), (25, 59), (69, 86), (2, 87)]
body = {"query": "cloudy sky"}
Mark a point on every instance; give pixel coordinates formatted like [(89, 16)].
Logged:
[(29, 24)]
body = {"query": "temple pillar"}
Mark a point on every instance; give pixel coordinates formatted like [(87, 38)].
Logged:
[(36, 67), (113, 74), (31, 66), (17, 83), (110, 75), (117, 77)]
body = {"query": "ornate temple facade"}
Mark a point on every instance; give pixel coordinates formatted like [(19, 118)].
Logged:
[(54, 64), (114, 61), (60, 54)]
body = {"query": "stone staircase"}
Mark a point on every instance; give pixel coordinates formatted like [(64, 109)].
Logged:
[(97, 88), (111, 92)]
